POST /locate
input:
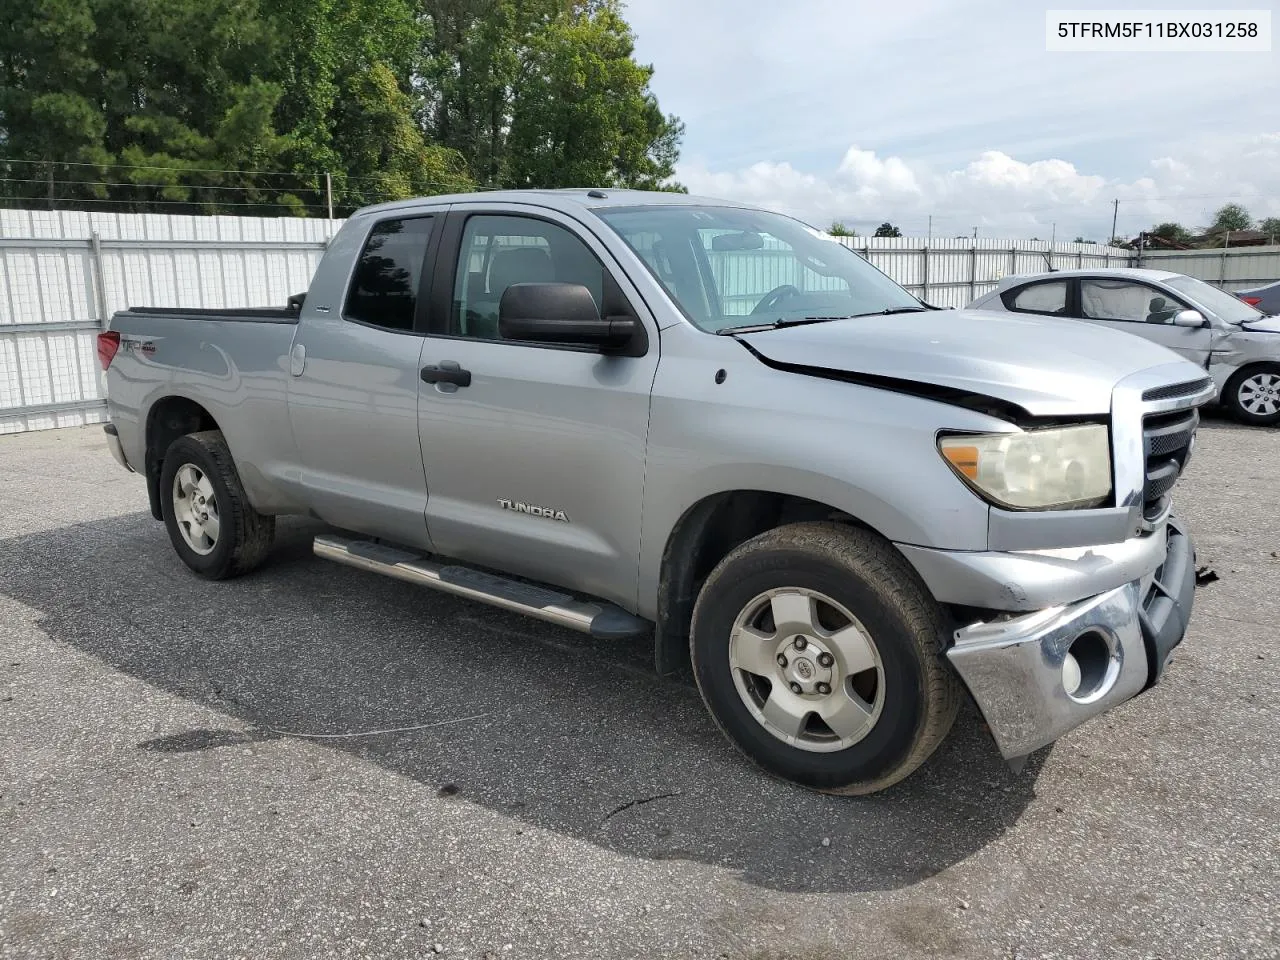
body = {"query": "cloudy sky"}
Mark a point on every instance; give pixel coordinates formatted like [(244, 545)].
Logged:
[(866, 110)]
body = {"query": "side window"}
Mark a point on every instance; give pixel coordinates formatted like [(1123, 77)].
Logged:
[(384, 287), (1049, 297), (1124, 300), (498, 251)]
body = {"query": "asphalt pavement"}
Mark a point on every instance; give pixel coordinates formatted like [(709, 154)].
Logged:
[(314, 762)]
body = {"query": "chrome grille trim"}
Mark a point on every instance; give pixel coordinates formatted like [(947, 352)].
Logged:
[(1130, 445)]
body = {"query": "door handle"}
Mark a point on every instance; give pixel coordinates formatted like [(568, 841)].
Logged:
[(447, 371)]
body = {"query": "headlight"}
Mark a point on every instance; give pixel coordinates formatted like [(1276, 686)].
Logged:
[(1060, 468)]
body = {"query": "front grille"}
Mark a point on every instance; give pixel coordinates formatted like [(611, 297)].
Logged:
[(1167, 440), (1174, 390)]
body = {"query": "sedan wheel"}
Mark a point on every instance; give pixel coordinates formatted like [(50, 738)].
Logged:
[(1260, 394), (1253, 395)]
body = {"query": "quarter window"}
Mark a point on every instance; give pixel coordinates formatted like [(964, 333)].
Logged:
[(1049, 297), (384, 289), (498, 251), (1124, 300)]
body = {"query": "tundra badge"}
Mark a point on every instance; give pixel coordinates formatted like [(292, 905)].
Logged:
[(549, 512)]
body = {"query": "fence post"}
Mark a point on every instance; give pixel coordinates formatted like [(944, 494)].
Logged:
[(1222, 270), (1079, 259), (1013, 261), (925, 272), (973, 272), (99, 283)]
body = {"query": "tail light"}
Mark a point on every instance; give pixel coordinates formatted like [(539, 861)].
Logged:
[(108, 344), (1252, 301)]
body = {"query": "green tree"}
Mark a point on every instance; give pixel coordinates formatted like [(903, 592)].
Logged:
[(1271, 227), (838, 229), (1231, 216), (887, 229), (1171, 231), (545, 93)]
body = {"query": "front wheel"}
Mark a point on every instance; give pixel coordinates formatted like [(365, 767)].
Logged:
[(1253, 395), (819, 654), (211, 523)]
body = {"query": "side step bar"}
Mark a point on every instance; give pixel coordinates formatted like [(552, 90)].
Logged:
[(602, 620)]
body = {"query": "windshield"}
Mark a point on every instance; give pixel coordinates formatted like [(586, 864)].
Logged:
[(1230, 308), (728, 267)]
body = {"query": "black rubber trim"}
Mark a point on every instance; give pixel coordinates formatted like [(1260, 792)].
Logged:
[(229, 315), (1164, 620), (110, 430)]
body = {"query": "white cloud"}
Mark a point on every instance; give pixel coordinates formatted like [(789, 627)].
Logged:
[(954, 109), (1004, 195)]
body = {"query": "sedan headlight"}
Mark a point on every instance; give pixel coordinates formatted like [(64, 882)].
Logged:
[(1060, 468)]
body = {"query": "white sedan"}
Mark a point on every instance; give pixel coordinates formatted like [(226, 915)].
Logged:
[(1238, 345)]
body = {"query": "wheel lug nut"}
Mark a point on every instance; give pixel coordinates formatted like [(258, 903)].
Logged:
[(801, 643), (825, 659), (782, 660), (824, 688), (795, 688)]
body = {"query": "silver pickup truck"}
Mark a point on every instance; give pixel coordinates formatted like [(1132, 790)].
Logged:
[(638, 414)]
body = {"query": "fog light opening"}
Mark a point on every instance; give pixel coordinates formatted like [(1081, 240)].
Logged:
[(1089, 667)]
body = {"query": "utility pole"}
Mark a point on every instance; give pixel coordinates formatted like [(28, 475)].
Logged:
[(975, 233), (931, 226), (1115, 213), (328, 192), (51, 185)]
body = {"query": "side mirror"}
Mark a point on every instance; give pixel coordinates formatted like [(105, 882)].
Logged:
[(1189, 318), (562, 313)]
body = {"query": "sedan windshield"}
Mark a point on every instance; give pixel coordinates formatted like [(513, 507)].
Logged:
[(728, 267), (1230, 308)]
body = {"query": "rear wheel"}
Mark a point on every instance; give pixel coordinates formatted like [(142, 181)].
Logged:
[(211, 523), (818, 652), (1253, 395)]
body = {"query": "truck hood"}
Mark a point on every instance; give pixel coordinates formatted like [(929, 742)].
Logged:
[(1044, 366)]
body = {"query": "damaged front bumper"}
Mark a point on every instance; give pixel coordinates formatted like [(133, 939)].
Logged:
[(1037, 675)]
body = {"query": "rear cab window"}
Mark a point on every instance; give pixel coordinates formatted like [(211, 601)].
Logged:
[(385, 288)]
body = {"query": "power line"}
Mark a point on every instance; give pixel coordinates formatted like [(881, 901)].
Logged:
[(252, 173), (114, 183), (180, 203)]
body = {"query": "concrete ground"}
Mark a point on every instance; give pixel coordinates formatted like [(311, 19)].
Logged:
[(191, 770)]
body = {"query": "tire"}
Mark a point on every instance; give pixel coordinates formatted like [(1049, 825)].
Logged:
[(199, 478), (878, 636), (1253, 395)]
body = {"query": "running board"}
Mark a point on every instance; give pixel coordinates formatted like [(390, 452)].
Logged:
[(602, 620)]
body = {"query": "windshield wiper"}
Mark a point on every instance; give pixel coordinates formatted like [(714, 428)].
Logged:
[(892, 310), (780, 322), (801, 321)]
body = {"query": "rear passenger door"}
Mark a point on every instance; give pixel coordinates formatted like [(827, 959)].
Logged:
[(535, 452), (354, 380), (1138, 308)]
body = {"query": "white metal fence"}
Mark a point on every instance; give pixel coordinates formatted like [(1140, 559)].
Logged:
[(63, 273), (1231, 269), (952, 273)]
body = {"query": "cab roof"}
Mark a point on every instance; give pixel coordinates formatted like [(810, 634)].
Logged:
[(566, 200)]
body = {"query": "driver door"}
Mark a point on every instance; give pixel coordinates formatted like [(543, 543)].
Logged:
[(1143, 310), (534, 452)]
